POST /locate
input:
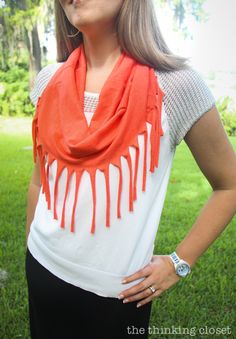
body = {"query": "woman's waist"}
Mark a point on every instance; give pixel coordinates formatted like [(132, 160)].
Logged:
[(91, 275)]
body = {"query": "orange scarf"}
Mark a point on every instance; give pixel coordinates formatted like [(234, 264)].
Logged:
[(129, 98)]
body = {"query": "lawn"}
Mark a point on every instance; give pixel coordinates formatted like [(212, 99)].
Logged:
[(197, 305)]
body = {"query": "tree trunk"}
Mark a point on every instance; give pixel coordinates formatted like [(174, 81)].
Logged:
[(34, 50)]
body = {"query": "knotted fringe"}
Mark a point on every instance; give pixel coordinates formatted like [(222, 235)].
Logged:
[(46, 160)]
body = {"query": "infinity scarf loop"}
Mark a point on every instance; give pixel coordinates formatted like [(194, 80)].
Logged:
[(129, 98)]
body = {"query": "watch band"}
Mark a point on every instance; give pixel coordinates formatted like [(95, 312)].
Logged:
[(175, 258)]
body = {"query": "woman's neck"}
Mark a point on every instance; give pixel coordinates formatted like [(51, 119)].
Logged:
[(101, 52), (101, 57)]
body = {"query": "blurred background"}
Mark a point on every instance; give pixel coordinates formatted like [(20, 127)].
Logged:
[(202, 30)]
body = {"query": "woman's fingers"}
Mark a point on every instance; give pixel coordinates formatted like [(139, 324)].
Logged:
[(144, 272), (154, 295), (142, 289), (142, 294)]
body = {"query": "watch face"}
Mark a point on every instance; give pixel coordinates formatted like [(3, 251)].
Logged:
[(182, 270)]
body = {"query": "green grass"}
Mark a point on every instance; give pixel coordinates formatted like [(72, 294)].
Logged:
[(203, 300)]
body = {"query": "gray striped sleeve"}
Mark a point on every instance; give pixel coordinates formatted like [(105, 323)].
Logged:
[(187, 97), (42, 80)]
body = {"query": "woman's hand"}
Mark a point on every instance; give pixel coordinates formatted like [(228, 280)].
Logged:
[(159, 273)]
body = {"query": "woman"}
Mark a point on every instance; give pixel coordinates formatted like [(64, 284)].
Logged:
[(109, 115)]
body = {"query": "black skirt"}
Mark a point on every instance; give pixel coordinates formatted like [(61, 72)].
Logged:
[(60, 310)]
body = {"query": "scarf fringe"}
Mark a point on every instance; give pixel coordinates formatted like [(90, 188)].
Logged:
[(46, 160)]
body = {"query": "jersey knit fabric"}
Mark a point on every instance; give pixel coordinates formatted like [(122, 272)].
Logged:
[(98, 262)]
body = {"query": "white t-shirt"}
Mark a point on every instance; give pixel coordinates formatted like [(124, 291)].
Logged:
[(98, 262)]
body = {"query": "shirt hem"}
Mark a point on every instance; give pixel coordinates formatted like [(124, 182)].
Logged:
[(102, 283)]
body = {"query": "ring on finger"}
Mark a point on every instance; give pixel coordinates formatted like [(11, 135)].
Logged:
[(152, 289)]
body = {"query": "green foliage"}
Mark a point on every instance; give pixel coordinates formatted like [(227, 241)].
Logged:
[(18, 19), (25, 18), (229, 122), (228, 116), (14, 93), (223, 104)]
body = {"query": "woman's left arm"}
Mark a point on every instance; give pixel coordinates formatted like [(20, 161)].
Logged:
[(215, 156)]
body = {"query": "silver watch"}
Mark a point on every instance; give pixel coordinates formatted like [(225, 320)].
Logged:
[(182, 268)]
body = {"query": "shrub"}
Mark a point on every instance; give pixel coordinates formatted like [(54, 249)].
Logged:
[(227, 114), (14, 92)]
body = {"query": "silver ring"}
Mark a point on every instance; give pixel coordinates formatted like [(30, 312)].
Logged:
[(152, 289)]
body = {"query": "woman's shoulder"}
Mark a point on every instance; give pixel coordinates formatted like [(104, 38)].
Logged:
[(182, 82), (186, 98), (42, 79)]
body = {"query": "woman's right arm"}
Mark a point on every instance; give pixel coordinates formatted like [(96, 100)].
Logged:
[(32, 197), (41, 82)]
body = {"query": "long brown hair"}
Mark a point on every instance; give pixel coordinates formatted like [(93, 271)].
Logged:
[(138, 34)]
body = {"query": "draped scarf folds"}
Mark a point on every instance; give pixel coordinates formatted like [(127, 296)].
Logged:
[(129, 98)]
